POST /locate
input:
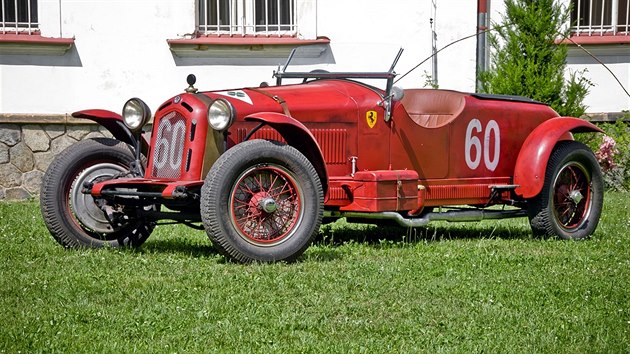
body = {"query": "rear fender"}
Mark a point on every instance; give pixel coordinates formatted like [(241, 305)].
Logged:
[(531, 163), (298, 136), (114, 123)]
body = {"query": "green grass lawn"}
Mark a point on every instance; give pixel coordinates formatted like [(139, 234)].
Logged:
[(469, 287)]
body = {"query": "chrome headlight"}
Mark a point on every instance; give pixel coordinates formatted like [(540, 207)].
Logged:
[(221, 115), (136, 114)]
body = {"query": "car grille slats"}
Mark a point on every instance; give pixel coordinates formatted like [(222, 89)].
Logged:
[(168, 153)]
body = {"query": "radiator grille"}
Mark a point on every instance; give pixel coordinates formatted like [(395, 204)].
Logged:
[(168, 153), (333, 142)]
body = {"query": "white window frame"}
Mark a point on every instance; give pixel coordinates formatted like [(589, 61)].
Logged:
[(27, 25), (242, 18), (582, 23)]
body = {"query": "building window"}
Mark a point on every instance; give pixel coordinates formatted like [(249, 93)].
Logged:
[(600, 17), (247, 17), (18, 16)]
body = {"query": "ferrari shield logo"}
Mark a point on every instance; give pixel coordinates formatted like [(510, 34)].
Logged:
[(371, 117)]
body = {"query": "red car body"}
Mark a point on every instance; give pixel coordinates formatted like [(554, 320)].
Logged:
[(376, 155)]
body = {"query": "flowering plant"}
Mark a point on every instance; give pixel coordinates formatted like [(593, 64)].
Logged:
[(606, 153)]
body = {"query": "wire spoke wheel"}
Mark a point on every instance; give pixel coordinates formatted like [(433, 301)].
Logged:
[(262, 201), (266, 205), (570, 203), (572, 196)]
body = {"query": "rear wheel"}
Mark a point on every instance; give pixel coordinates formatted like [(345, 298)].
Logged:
[(75, 219), (262, 201), (570, 203)]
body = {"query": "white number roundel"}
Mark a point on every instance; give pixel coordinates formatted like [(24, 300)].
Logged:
[(491, 162), (473, 143), (475, 149), (169, 154)]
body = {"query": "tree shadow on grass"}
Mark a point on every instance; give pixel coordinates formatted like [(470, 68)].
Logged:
[(181, 245), (331, 236), (334, 234)]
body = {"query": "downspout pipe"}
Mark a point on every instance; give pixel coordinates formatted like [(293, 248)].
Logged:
[(482, 45)]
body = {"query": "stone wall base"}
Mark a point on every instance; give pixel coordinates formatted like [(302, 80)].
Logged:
[(26, 150)]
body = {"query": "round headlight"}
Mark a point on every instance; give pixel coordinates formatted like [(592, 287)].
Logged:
[(220, 115), (136, 114)]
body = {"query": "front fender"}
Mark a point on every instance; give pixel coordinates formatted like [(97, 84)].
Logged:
[(114, 123), (298, 136), (531, 163)]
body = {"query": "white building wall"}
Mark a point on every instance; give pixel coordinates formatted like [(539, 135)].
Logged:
[(121, 50)]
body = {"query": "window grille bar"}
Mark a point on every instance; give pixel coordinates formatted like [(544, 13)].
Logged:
[(625, 26), (279, 15), (601, 23), (21, 18), (205, 15), (601, 17), (28, 9), (266, 19), (578, 23), (17, 21), (627, 17), (218, 6), (4, 26), (244, 17), (590, 19), (292, 18)]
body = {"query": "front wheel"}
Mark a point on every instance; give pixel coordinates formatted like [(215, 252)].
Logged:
[(262, 201), (75, 219), (570, 203)]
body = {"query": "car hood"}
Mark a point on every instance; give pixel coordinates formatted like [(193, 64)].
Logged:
[(316, 101)]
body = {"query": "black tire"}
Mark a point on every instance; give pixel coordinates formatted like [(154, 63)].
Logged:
[(73, 218), (262, 202), (570, 203)]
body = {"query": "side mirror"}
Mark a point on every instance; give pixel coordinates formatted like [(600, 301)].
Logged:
[(397, 93)]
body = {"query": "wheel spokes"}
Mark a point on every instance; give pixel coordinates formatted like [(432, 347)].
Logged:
[(265, 204), (571, 196)]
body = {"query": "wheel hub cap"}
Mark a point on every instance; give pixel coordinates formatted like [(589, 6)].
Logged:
[(268, 205), (576, 196)]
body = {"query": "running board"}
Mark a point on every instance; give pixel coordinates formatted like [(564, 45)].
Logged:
[(455, 216)]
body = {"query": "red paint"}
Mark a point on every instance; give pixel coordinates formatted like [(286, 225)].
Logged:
[(34, 38), (247, 40), (531, 165), (193, 110), (383, 190), (482, 6), (113, 122), (439, 148), (586, 39)]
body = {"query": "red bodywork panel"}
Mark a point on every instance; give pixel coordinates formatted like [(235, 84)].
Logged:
[(440, 147), (530, 169), (374, 191), (113, 122)]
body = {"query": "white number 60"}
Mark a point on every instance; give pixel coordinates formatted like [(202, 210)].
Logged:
[(474, 143)]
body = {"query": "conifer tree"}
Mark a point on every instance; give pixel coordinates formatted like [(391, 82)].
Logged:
[(527, 58)]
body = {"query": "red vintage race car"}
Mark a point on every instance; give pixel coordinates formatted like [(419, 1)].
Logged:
[(262, 167)]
